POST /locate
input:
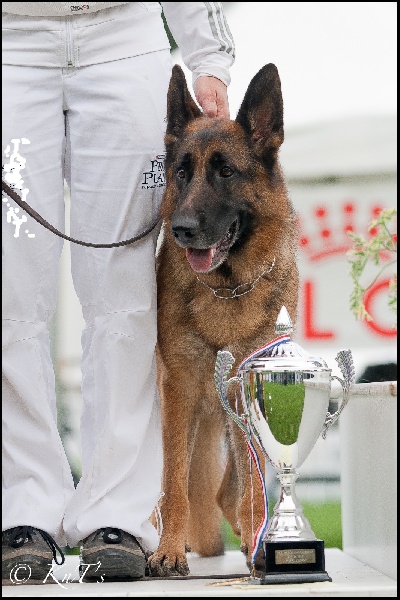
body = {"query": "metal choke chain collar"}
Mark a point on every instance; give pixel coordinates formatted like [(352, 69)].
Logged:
[(240, 290)]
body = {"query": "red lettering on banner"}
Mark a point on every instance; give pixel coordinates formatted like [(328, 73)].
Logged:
[(310, 331), (369, 297)]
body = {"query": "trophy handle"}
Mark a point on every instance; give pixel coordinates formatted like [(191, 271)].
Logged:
[(223, 365), (344, 359)]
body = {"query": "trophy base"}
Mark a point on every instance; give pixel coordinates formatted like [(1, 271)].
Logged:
[(293, 561)]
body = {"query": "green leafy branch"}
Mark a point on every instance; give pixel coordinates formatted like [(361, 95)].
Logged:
[(370, 252)]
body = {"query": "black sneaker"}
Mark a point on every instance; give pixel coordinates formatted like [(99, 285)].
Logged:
[(27, 555), (111, 554)]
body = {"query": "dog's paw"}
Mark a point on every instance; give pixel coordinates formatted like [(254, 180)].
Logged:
[(161, 564)]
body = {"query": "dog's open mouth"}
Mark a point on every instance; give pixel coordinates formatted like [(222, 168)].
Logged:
[(207, 259)]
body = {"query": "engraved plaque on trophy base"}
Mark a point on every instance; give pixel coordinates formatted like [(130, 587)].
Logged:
[(294, 562)]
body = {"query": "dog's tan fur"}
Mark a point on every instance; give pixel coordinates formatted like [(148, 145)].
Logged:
[(201, 485)]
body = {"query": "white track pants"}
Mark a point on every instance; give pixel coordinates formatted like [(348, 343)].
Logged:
[(101, 127)]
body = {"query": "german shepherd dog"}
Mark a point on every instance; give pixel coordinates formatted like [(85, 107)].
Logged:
[(226, 266)]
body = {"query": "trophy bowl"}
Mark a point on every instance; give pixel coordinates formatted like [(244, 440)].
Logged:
[(285, 396)]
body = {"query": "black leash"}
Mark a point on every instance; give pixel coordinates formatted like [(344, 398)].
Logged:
[(235, 577), (31, 212)]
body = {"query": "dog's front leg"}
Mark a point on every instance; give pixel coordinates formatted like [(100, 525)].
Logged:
[(170, 557)]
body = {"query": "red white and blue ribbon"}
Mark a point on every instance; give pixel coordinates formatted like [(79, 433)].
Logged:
[(282, 339), (258, 536)]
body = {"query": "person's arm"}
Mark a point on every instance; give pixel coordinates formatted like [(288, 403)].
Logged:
[(203, 36)]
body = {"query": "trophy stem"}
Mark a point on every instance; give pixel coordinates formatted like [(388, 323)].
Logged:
[(292, 552), (288, 522)]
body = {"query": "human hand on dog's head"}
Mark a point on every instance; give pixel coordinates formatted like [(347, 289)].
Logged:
[(211, 94)]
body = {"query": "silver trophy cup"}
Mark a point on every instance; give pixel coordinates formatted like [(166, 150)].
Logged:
[(285, 397)]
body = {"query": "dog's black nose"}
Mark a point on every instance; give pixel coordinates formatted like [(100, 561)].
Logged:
[(185, 229)]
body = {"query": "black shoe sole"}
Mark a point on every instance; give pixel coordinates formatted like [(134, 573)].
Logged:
[(28, 569), (112, 565), (29, 582)]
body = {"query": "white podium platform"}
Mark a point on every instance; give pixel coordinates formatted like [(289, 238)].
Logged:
[(213, 577)]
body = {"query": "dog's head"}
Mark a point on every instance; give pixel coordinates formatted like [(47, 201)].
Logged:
[(221, 174)]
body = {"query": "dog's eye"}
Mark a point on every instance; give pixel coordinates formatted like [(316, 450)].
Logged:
[(181, 173), (226, 172)]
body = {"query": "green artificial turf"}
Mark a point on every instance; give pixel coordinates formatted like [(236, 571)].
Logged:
[(324, 518)]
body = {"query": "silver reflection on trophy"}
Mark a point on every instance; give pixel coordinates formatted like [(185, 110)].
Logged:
[(285, 395)]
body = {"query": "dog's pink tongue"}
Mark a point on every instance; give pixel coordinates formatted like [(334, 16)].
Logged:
[(200, 260)]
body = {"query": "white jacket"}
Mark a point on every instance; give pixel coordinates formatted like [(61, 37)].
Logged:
[(199, 28)]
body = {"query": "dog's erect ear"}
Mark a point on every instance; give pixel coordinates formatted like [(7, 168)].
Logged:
[(181, 108), (261, 112)]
